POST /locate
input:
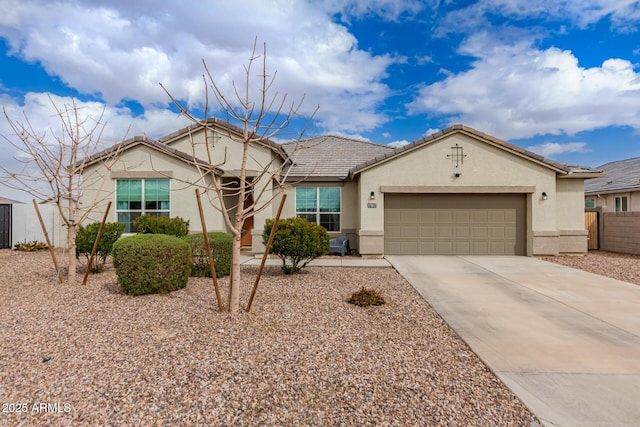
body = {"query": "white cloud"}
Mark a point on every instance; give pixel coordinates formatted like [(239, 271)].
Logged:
[(623, 14), (517, 91), (121, 50), (551, 149), (41, 115), (398, 144)]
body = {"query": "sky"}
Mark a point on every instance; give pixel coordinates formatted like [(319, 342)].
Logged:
[(558, 77)]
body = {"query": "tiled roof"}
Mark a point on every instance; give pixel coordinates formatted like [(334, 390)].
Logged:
[(622, 175), (330, 156), (559, 167)]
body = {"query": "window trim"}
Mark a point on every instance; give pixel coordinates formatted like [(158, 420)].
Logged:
[(318, 212), (589, 199), (142, 209), (624, 203)]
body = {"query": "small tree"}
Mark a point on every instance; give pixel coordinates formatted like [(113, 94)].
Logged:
[(296, 242), (258, 118), (54, 162), (86, 237)]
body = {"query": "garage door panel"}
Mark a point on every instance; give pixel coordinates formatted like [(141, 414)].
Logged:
[(409, 231), (444, 216), (427, 247), (462, 232), (427, 232), (455, 224)]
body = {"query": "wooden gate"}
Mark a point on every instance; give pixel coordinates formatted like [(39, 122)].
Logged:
[(591, 224), (5, 226)]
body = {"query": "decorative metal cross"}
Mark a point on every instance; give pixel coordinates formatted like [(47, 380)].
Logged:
[(457, 155)]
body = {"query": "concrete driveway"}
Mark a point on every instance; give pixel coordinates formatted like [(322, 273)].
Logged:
[(567, 342)]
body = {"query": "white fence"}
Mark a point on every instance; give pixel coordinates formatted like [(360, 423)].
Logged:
[(26, 227)]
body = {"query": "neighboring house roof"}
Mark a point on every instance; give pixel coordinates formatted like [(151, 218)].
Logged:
[(561, 168), (622, 175), (148, 142), (330, 156)]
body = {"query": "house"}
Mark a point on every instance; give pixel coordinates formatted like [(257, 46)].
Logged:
[(458, 191), (618, 191)]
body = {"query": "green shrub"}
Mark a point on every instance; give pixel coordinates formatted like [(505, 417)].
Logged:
[(149, 224), (366, 297), (151, 263), (221, 248), (86, 237), (31, 246), (297, 242)]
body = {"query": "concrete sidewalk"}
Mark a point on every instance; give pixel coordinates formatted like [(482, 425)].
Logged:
[(565, 341)]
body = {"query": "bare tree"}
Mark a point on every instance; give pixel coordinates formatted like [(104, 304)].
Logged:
[(53, 165), (259, 118)]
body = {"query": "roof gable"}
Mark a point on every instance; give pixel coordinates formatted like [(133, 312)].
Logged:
[(136, 141), (560, 168), (234, 132)]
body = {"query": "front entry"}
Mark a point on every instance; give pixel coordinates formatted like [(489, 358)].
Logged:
[(246, 238)]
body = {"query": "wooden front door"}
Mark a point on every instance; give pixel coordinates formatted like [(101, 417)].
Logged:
[(246, 240)]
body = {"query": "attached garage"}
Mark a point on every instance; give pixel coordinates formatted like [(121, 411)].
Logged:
[(455, 224)]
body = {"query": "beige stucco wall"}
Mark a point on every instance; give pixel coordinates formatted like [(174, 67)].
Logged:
[(483, 169), (349, 218), (225, 152), (141, 162), (144, 162), (607, 201)]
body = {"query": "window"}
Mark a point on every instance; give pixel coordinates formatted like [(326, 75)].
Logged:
[(135, 197), (621, 204), (320, 205), (590, 203)]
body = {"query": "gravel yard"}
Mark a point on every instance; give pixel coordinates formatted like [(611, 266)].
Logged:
[(90, 355), (618, 266)]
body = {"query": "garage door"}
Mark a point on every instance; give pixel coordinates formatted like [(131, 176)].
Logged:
[(455, 224)]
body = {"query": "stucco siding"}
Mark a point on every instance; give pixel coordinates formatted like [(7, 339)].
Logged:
[(144, 161)]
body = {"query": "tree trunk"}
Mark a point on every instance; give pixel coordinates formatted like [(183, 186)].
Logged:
[(234, 300), (71, 247)]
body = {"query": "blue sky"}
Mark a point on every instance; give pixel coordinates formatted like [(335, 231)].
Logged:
[(559, 77)]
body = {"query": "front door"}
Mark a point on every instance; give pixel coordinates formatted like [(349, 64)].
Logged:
[(246, 240)]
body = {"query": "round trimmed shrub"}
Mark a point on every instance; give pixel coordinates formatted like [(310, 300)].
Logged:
[(221, 249), (151, 263)]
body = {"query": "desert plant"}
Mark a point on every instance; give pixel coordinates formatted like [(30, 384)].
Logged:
[(31, 246), (86, 237), (221, 247), (366, 297), (149, 224), (151, 263), (296, 242)]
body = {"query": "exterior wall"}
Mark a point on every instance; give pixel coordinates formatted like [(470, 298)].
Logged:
[(483, 169), (349, 218), (145, 162), (225, 153), (571, 230), (620, 232), (25, 225), (607, 201)]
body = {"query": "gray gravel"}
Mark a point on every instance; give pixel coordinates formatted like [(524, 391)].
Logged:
[(623, 267), (303, 356)]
